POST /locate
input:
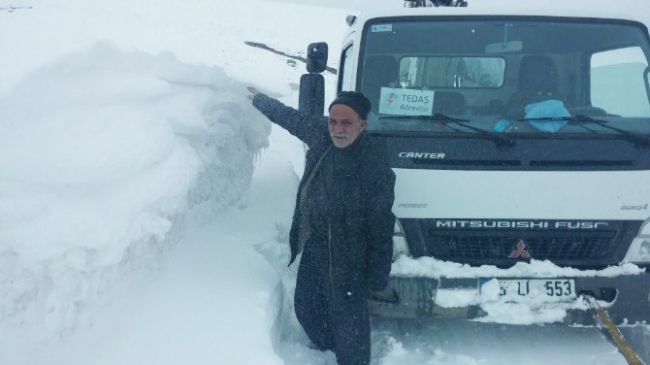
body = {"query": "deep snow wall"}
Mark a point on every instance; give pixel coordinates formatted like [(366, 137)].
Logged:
[(101, 155)]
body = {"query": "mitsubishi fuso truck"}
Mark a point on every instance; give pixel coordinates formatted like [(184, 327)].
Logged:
[(521, 146)]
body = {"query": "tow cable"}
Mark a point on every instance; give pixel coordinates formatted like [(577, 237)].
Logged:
[(605, 321)]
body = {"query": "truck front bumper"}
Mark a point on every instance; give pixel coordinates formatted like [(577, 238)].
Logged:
[(626, 298)]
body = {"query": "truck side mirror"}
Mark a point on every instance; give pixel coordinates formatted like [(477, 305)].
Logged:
[(317, 57), (311, 99)]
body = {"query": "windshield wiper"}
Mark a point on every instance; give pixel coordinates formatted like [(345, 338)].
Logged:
[(583, 119), (500, 140)]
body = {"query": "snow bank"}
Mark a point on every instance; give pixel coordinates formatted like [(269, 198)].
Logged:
[(101, 154)]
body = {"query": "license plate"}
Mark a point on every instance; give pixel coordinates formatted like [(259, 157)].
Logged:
[(552, 289)]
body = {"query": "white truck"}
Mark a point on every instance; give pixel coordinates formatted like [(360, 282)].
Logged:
[(521, 146)]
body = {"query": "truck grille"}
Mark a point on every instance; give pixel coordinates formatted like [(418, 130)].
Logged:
[(468, 249), (504, 247)]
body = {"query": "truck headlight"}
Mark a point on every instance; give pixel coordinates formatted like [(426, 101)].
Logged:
[(400, 246), (639, 251)]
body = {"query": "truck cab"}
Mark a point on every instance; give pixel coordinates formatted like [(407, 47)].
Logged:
[(521, 146)]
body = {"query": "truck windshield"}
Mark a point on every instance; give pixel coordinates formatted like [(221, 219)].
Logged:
[(508, 75)]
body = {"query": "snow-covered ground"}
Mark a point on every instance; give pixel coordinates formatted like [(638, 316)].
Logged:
[(145, 205)]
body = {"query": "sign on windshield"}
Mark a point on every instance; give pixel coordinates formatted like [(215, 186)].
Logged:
[(395, 101)]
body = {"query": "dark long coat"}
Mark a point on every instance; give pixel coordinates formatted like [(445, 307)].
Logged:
[(360, 195)]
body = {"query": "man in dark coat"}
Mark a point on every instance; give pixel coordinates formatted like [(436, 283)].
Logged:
[(342, 223)]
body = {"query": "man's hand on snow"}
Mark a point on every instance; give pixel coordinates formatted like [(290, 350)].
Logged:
[(387, 295), (253, 91)]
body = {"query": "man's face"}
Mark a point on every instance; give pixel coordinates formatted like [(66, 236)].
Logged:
[(345, 125)]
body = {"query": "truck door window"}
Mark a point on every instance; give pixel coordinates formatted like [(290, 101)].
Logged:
[(617, 82)]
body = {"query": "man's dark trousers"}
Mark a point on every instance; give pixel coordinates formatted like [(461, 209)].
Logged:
[(333, 319)]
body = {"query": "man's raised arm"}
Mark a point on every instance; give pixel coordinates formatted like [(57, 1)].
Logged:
[(307, 128)]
